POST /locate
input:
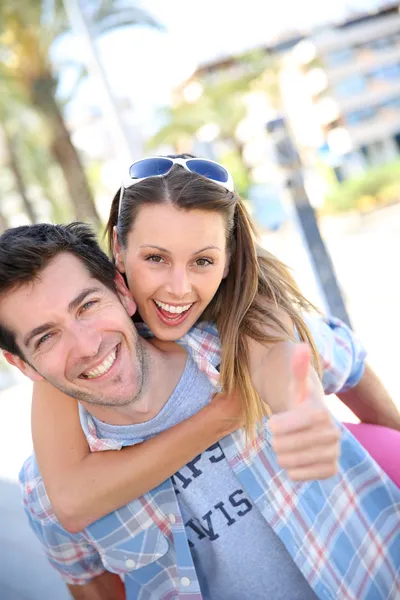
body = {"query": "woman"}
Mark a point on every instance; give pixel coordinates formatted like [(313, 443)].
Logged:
[(186, 246)]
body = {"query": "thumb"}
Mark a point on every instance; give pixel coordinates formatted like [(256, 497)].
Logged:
[(301, 361)]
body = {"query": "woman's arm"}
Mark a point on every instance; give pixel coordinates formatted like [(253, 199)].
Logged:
[(83, 486), (304, 436), (371, 402)]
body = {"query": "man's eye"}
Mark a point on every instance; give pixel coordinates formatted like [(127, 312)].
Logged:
[(43, 339), (88, 305), (155, 258)]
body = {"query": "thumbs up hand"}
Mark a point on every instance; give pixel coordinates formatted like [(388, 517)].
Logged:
[(304, 437)]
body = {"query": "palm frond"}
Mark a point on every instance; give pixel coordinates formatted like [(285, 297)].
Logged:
[(113, 14)]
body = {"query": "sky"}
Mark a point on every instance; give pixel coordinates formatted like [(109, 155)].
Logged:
[(144, 65)]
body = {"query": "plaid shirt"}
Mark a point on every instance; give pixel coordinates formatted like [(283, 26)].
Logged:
[(343, 533), (342, 359)]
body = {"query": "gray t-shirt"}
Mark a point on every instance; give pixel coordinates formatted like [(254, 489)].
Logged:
[(236, 554)]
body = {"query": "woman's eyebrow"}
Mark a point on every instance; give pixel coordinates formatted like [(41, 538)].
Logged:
[(155, 247), (208, 248), (161, 249)]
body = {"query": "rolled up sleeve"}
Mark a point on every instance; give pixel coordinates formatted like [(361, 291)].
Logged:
[(77, 561), (341, 352)]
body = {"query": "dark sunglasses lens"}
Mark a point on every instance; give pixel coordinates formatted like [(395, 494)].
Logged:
[(208, 169), (150, 167)]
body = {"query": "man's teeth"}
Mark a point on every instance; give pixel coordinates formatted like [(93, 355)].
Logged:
[(103, 368), (173, 309)]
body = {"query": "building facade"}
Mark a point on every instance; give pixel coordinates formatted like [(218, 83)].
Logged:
[(341, 92)]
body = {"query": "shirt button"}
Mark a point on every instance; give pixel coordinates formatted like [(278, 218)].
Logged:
[(185, 581), (130, 563), (172, 518)]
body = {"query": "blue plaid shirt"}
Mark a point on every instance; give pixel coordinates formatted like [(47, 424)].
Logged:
[(343, 533)]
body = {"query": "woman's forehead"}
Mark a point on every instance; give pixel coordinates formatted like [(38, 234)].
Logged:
[(173, 225)]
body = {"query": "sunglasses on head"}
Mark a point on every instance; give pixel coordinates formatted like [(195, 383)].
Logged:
[(162, 165)]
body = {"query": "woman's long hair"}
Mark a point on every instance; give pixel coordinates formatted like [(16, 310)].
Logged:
[(249, 298)]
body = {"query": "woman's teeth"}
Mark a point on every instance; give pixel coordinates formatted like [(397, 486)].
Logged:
[(177, 310), (103, 368)]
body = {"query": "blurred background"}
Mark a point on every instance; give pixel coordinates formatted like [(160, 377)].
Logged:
[(301, 101)]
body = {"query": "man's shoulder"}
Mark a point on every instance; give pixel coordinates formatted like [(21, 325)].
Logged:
[(34, 496)]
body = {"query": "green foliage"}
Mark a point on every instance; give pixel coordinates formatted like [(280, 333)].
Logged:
[(28, 29), (222, 102), (240, 175), (379, 185)]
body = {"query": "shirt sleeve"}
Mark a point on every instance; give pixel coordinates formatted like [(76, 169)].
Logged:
[(341, 352), (77, 561)]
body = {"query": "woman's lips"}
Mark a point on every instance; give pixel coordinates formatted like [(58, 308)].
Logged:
[(172, 319)]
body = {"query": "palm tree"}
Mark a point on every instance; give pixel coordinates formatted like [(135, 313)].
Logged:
[(4, 224), (14, 165), (10, 128), (222, 102), (26, 37)]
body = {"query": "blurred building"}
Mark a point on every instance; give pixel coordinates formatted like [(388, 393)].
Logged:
[(341, 92), (260, 107)]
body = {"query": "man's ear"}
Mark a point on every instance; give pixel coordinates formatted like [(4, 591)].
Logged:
[(117, 251), (23, 366), (124, 295)]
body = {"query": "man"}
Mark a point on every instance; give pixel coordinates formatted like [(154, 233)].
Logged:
[(230, 523)]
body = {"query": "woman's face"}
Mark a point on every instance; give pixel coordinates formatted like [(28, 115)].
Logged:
[(174, 261)]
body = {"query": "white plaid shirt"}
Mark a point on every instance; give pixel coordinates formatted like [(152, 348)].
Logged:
[(343, 533)]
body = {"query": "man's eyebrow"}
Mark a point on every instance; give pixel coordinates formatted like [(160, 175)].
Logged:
[(81, 296), (71, 307), (37, 331)]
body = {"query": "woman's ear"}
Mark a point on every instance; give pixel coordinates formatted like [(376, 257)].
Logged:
[(117, 251), (124, 295), (226, 270)]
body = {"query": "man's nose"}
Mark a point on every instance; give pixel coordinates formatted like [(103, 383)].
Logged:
[(85, 340), (178, 284)]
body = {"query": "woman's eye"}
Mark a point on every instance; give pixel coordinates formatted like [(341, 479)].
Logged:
[(203, 262), (155, 258)]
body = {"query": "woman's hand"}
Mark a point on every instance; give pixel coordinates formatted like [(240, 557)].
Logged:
[(305, 438)]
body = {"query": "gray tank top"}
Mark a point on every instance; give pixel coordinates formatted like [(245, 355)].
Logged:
[(236, 554)]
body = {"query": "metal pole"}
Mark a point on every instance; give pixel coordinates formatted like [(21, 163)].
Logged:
[(320, 257), (288, 159), (123, 146)]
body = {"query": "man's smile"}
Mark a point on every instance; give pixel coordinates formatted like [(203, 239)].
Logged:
[(104, 367)]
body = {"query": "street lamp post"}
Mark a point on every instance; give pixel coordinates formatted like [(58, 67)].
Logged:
[(288, 159)]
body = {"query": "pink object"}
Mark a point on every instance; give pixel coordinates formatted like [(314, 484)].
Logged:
[(382, 443)]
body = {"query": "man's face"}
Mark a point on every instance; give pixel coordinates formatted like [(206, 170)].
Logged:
[(76, 333)]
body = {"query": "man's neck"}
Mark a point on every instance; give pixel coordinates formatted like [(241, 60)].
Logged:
[(165, 365)]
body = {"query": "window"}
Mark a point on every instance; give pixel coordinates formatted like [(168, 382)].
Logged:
[(358, 116), (384, 43), (350, 86), (340, 57), (386, 72), (391, 103)]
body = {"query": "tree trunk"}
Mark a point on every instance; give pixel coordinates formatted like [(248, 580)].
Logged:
[(65, 153), (18, 177), (4, 224)]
